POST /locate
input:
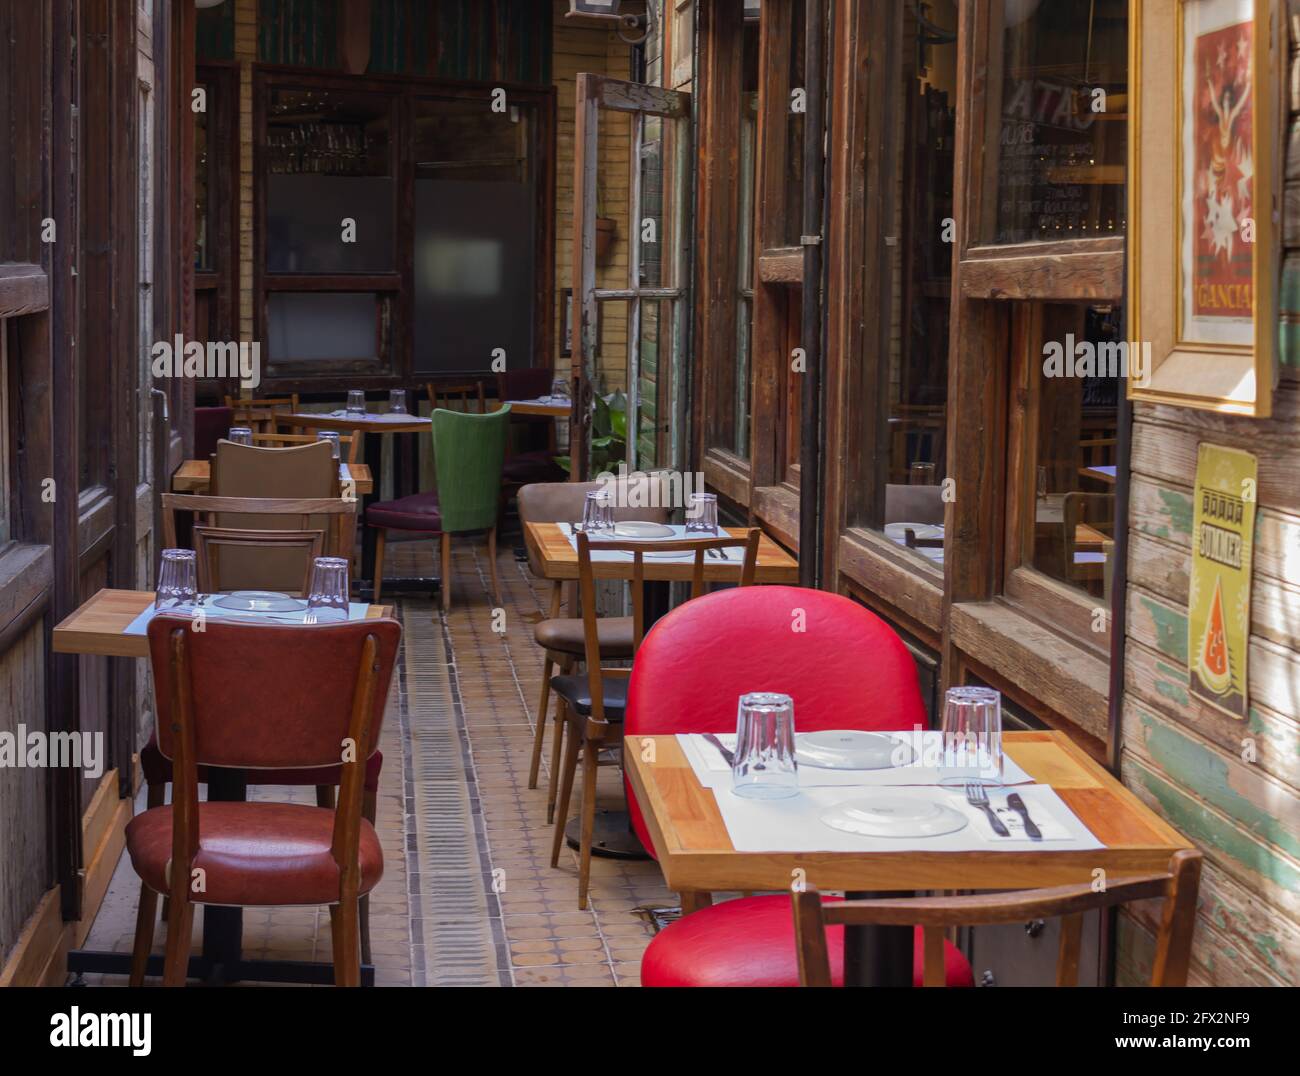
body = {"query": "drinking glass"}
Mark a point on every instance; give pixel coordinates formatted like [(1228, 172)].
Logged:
[(327, 598), (560, 390), (972, 737), (240, 435), (765, 766), (332, 437), (177, 580), (702, 514), (356, 403), (598, 512), (397, 402)]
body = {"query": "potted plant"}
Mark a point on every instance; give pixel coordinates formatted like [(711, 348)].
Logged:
[(608, 435)]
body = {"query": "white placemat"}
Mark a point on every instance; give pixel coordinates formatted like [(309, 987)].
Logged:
[(140, 625), (795, 825), (735, 556), (378, 416), (712, 771)]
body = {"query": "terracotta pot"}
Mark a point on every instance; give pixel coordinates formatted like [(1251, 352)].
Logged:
[(606, 230)]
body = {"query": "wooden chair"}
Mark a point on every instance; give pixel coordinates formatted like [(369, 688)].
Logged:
[(306, 471), (349, 443), (446, 394), (263, 415), (1177, 887), (561, 637), (597, 699), (208, 541), (222, 697), (1097, 511)]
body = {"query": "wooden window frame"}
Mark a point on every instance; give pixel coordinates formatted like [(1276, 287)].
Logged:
[(1000, 614), (405, 92)]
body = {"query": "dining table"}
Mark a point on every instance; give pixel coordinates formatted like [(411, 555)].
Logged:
[(194, 476), (556, 552), (99, 628), (543, 407), (698, 857)]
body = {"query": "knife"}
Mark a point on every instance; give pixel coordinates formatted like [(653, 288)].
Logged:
[(1018, 805), (727, 756)]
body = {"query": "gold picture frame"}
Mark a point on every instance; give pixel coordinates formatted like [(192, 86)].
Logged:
[(1196, 69)]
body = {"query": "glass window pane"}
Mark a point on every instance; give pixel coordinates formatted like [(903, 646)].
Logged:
[(1073, 443), (322, 326), (204, 192), (329, 160), (1060, 125)]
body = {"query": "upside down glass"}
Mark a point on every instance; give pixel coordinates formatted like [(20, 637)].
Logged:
[(332, 437), (240, 435), (702, 514), (356, 403), (327, 597), (177, 580), (397, 401), (764, 765), (972, 737), (560, 390), (598, 512)]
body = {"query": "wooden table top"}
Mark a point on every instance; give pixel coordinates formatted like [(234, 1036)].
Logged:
[(559, 560), (193, 476), (696, 854), (370, 423), (98, 627), (535, 407)]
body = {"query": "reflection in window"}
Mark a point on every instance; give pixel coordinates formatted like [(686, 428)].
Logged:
[(328, 158), (204, 193), (322, 326), (1061, 124), (1074, 442), (911, 451), (745, 237)]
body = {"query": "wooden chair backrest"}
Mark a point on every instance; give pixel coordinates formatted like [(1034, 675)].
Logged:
[(261, 415), (1177, 887), (208, 542), (638, 549), (349, 443), (444, 394)]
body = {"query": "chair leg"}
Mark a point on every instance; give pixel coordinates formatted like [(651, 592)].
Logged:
[(156, 796), (369, 811), (347, 956), (557, 745), (145, 916), (325, 796), (590, 762), (492, 570), (566, 790), (539, 737), (446, 572), (180, 928), (381, 540)]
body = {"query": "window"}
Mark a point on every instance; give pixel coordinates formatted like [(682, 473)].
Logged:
[(901, 439), (1056, 118)]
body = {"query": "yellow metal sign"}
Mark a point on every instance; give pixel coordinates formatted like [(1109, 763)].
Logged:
[(1223, 539)]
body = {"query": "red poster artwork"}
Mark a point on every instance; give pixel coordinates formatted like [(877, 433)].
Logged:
[(1224, 174)]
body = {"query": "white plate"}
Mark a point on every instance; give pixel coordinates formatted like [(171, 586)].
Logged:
[(897, 532), (848, 749), (642, 530), (259, 601), (885, 814)]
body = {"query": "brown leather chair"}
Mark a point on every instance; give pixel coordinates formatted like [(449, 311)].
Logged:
[(262, 697), (304, 472), (561, 638)]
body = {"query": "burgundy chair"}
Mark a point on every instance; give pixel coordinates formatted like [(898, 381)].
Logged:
[(267, 698), (530, 463), (844, 668), (211, 424)]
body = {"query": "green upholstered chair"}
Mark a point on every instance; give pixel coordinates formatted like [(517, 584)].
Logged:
[(468, 452)]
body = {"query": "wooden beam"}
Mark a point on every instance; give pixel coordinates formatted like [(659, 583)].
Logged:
[(24, 289)]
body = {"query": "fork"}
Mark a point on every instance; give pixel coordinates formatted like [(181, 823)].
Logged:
[(977, 796)]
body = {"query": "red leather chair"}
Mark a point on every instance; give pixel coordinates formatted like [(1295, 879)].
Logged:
[(844, 668), (266, 698)]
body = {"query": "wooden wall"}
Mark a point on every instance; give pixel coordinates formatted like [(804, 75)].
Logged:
[(1232, 786)]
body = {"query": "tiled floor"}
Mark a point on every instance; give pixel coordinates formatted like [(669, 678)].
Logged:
[(468, 894)]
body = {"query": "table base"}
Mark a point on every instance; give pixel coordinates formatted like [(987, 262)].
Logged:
[(429, 586), (612, 836), (877, 956)]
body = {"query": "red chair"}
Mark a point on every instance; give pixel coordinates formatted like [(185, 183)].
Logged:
[(262, 697), (844, 668)]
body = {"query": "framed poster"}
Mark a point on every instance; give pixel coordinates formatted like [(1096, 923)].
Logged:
[(1205, 110), (1218, 608)]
